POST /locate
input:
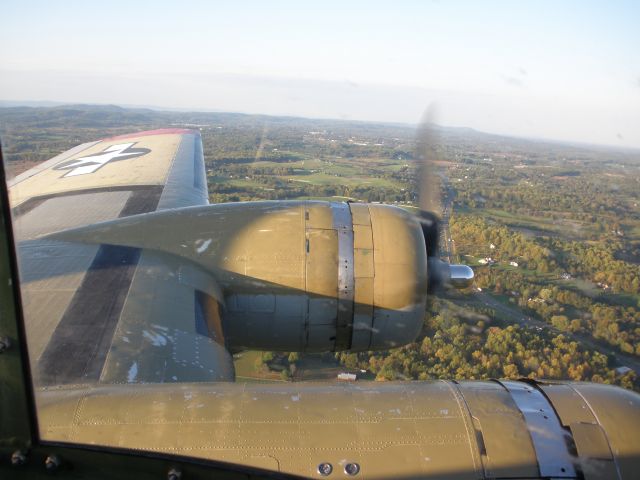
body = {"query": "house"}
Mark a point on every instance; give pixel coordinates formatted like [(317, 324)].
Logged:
[(492, 246), (513, 264), (347, 377)]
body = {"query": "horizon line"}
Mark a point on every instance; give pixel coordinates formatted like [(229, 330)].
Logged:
[(165, 109)]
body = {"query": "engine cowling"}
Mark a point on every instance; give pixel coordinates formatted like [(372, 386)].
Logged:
[(292, 275), (318, 276)]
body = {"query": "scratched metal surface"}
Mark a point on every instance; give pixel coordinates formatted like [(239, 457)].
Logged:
[(392, 430)]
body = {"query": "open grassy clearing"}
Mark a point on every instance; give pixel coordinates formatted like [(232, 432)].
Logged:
[(533, 226), (310, 367), (244, 364)]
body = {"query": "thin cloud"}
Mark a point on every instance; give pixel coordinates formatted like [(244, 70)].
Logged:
[(513, 81), (515, 77)]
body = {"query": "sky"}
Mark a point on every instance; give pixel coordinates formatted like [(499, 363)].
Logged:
[(563, 70)]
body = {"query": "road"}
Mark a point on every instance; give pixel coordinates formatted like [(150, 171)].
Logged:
[(446, 248)]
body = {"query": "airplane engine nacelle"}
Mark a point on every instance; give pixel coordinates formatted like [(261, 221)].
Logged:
[(318, 276), (292, 275)]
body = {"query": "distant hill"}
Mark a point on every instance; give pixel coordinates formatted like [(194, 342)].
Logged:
[(39, 132)]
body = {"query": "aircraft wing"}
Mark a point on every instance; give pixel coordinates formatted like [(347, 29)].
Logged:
[(107, 313)]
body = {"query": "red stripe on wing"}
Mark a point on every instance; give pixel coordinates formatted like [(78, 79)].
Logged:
[(160, 131)]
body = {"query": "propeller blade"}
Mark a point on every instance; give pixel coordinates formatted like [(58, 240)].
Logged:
[(441, 274), (429, 184)]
